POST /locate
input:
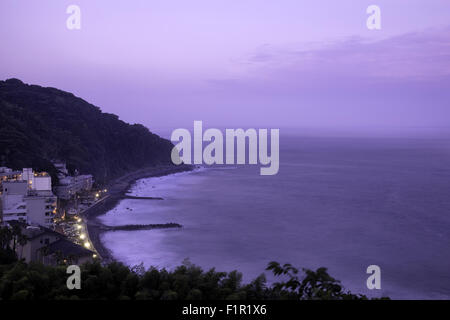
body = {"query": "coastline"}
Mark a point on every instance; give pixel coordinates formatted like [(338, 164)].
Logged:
[(116, 192)]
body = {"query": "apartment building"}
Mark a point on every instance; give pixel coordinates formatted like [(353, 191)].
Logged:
[(27, 197), (69, 185)]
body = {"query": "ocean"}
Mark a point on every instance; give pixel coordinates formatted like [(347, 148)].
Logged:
[(340, 203)]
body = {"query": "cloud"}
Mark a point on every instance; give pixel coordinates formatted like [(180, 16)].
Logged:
[(403, 80), (414, 56)]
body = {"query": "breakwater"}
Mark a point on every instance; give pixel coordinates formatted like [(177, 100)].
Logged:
[(132, 227)]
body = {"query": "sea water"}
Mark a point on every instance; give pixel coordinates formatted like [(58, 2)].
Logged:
[(340, 203)]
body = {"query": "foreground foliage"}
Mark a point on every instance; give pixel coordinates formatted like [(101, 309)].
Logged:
[(21, 281)]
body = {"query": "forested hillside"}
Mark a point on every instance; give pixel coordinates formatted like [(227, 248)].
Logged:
[(39, 124)]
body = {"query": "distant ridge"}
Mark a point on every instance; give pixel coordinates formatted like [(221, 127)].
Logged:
[(39, 124)]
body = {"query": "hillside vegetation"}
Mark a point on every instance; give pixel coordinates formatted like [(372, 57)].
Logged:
[(39, 124)]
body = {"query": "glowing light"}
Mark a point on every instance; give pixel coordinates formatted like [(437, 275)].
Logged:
[(79, 220), (82, 236), (87, 244), (78, 227), (94, 256)]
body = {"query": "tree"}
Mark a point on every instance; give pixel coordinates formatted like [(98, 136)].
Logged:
[(7, 254), (315, 285), (115, 281)]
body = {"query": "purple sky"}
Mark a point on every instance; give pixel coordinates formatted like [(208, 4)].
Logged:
[(285, 63)]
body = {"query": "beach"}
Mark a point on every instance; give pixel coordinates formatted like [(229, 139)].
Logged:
[(117, 190)]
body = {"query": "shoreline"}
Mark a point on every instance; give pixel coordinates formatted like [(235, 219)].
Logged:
[(117, 190)]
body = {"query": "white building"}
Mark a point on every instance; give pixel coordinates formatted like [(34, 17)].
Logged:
[(69, 186), (8, 174), (14, 206), (37, 181), (28, 198)]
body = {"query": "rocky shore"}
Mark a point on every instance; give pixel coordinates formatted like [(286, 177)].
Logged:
[(117, 191)]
